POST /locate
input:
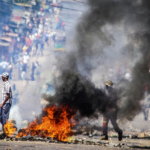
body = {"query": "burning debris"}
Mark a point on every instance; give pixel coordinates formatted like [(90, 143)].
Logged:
[(9, 128), (130, 140), (54, 124), (76, 95)]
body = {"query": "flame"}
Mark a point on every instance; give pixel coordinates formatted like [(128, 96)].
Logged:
[(55, 124), (9, 128)]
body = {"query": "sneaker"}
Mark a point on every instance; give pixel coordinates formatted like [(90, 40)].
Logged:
[(104, 137), (120, 136)]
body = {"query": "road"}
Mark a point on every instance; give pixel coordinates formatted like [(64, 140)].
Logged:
[(9, 145)]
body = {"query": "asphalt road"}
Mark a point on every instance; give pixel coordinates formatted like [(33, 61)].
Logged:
[(9, 145)]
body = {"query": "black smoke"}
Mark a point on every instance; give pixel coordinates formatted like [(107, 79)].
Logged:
[(74, 86), (79, 94)]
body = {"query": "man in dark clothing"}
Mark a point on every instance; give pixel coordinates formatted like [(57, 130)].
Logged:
[(32, 71), (111, 112), (41, 47), (36, 45)]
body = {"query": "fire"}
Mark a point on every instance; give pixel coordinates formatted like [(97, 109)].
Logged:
[(55, 124), (9, 128)]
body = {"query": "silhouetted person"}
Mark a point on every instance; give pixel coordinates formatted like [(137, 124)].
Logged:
[(33, 71), (111, 112)]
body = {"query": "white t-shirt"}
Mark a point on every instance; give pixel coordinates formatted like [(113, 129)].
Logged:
[(7, 89), (25, 59)]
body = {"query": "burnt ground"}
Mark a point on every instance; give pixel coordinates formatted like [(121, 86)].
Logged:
[(87, 144), (26, 145)]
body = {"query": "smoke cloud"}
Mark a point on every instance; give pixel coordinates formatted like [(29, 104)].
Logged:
[(110, 35), (80, 94)]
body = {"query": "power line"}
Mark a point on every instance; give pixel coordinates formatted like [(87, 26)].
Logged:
[(61, 7), (76, 1)]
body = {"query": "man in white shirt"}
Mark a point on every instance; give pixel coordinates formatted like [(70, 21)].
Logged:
[(6, 100), (25, 58)]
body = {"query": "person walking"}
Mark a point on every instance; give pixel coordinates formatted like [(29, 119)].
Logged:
[(47, 38), (6, 100), (111, 112), (32, 71), (19, 67), (23, 73), (15, 94), (36, 44), (63, 26), (41, 47), (38, 69)]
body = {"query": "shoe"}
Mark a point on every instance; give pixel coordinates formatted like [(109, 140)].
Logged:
[(120, 136), (104, 137)]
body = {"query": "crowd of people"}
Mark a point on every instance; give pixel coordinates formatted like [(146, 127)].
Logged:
[(21, 45), (21, 42)]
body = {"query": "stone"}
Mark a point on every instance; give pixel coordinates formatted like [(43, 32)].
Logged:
[(104, 142), (85, 133), (89, 142), (83, 129), (133, 136), (118, 145), (148, 134), (73, 131), (80, 141), (142, 135), (94, 133), (137, 130), (113, 134)]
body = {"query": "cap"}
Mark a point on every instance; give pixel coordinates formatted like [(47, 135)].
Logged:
[(5, 74), (109, 83)]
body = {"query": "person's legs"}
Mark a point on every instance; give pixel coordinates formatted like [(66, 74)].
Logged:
[(104, 136), (146, 113), (23, 75), (5, 114), (36, 48), (113, 118), (105, 125), (32, 76), (41, 51)]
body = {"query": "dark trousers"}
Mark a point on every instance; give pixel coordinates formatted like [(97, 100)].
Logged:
[(32, 76), (112, 116)]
